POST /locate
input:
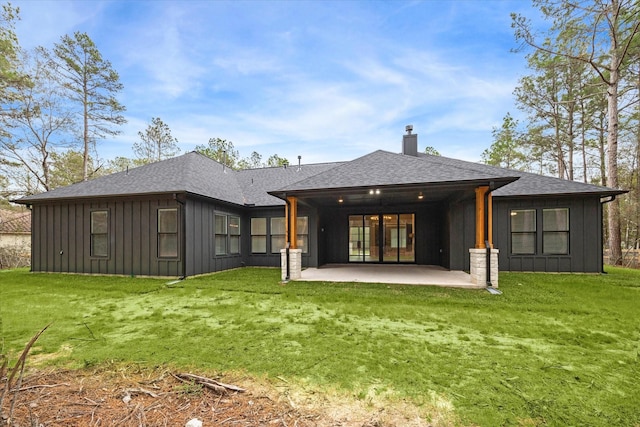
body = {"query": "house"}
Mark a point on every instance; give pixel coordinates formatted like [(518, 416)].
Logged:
[(15, 238), (190, 215)]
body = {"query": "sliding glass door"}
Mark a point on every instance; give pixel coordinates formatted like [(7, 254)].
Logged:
[(381, 238)]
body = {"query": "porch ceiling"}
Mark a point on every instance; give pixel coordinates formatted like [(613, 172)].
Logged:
[(388, 194)]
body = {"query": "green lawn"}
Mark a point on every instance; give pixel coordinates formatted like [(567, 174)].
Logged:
[(554, 349)]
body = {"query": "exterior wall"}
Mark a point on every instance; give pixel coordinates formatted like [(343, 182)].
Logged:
[(461, 233), (445, 232), (272, 257), (61, 238), (585, 235), (15, 240), (200, 237)]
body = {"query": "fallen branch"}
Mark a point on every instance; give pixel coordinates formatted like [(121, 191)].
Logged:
[(212, 384), (140, 391), (18, 369), (40, 386)]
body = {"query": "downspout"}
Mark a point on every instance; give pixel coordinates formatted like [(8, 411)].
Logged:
[(183, 240), (288, 211), (487, 244), (602, 202)]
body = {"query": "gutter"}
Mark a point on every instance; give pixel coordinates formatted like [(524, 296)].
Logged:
[(492, 186), (183, 240), (288, 207)]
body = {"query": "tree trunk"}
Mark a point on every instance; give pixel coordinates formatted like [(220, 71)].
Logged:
[(615, 244), (85, 136)]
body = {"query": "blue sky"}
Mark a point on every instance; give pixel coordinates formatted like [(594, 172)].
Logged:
[(327, 80)]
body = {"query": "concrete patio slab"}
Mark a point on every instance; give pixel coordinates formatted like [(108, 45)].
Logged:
[(390, 273)]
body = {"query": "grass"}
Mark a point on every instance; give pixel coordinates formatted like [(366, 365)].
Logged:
[(554, 349)]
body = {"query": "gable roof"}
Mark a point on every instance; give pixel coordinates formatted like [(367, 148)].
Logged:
[(198, 174)]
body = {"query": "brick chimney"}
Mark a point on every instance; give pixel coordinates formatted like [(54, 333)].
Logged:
[(410, 142)]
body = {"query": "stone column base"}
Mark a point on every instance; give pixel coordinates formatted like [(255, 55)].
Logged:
[(295, 261), (478, 266)]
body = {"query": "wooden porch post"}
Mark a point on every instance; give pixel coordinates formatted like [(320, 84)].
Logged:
[(291, 222), (480, 207)]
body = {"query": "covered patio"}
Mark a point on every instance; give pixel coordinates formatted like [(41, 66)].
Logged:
[(390, 273)]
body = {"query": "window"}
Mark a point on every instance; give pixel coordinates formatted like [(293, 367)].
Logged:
[(279, 237), (226, 234), (234, 235), (259, 235), (555, 231), (168, 233), (100, 233), (523, 231), (302, 230), (278, 234), (221, 234)]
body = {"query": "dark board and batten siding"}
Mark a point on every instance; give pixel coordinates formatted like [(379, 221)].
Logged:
[(61, 238), (585, 242), (200, 237)]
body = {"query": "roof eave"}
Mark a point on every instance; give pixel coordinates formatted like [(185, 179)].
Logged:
[(495, 182)]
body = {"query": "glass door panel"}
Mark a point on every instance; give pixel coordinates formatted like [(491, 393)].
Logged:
[(381, 238), (406, 245), (391, 238), (356, 238), (372, 230)]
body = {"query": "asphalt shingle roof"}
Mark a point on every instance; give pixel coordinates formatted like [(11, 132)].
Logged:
[(191, 172), (198, 174), (385, 168), (14, 222)]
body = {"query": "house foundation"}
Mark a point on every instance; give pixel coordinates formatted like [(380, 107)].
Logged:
[(478, 266), (295, 264)]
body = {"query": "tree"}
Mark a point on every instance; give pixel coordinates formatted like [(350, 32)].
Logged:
[(92, 85), (40, 124), (156, 144), (611, 26), (67, 168), (277, 161), (121, 164), (431, 151), (11, 76), (505, 151), (221, 151), (253, 162)]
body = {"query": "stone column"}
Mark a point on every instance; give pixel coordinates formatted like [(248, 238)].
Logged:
[(478, 266), (295, 262)]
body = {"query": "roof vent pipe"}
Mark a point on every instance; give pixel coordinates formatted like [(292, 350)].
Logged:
[(224, 160), (299, 165), (410, 142)]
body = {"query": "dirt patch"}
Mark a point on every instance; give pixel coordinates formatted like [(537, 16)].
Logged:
[(130, 396)]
